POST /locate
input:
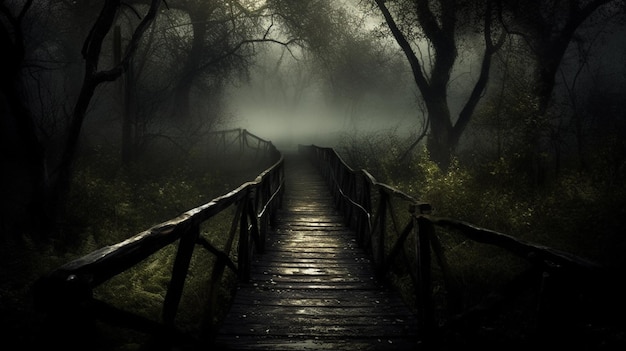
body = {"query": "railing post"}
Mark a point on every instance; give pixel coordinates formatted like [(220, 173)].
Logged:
[(186, 245), (425, 230), (351, 193), (219, 266), (556, 310), (253, 224), (279, 183), (378, 248), (364, 233), (243, 253), (266, 193)]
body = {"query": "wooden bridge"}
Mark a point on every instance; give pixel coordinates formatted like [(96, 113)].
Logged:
[(315, 245), (314, 287)]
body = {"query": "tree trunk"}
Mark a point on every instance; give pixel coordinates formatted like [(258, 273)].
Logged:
[(440, 144), (129, 141), (440, 32), (61, 179), (182, 100), (25, 207), (24, 200), (92, 79), (190, 69), (126, 93)]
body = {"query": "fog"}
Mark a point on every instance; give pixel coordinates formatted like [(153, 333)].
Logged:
[(287, 101), (337, 71)]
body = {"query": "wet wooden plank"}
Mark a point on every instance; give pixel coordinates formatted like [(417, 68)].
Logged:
[(295, 297), (314, 288), (315, 327), (335, 344)]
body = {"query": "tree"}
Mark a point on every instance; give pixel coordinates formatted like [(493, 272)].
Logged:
[(48, 180), (437, 23), (350, 61), (23, 154), (93, 77), (548, 28), (221, 37)]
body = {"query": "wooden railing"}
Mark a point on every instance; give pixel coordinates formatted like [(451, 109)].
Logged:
[(66, 293), (367, 207), (354, 193), (239, 140)]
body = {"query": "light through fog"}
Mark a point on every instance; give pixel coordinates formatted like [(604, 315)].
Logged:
[(289, 99), (290, 102)]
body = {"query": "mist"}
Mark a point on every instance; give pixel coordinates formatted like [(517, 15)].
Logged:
[(289, 100)]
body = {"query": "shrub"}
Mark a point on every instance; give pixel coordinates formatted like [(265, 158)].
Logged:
[(577, 211), (109, 203)]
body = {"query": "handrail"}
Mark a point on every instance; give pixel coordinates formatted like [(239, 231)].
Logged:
[(243, 139), (353, 192), (70, 286), (355, 189)]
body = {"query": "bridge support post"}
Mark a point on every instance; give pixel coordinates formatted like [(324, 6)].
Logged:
[(425, 230), (379, 244), (363, 230), (186, 245), (243, 254)]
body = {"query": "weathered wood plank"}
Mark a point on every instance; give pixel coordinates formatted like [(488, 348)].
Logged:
[(307, 271), (305, 298), (335, 312), (336, 344)]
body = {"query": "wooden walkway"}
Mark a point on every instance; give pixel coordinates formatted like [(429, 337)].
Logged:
[(314, 288)]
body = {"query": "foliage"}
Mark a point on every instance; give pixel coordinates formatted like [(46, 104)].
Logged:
[(110, 203), (377, 152), (570, 213), (577, 212)]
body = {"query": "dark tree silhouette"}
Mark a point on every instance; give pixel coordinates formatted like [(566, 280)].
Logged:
[(45, 189), (548, 27), (93, 77), (23, 160), (438, 21)]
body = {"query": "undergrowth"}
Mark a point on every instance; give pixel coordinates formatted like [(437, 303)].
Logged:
[(577, 212), (109, 203)]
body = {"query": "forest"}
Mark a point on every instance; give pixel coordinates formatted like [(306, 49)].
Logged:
[(508, 114)]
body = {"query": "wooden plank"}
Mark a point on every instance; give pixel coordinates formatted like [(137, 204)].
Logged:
[(336, 344), (308, 271), (318, 298), (314, 288), (310, 326), (326, 308)]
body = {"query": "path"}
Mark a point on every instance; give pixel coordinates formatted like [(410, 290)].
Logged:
[(314, 288)]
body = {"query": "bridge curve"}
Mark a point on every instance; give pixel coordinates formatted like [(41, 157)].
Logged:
[(314, 287)]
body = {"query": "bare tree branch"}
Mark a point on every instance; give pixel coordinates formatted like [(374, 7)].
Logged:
[(92, 78), (420, 137)]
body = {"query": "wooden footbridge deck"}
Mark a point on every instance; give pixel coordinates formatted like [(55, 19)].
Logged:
[(314, 288)]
